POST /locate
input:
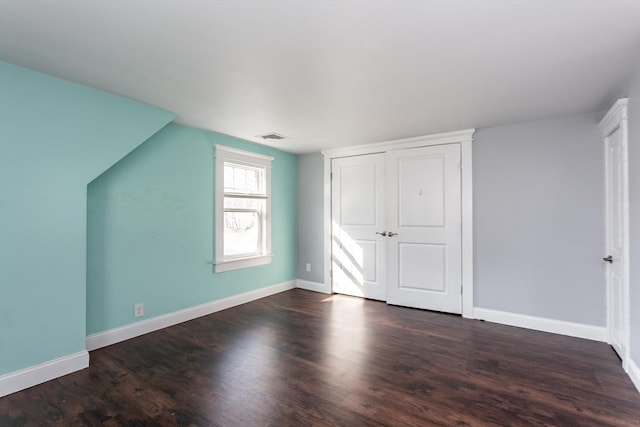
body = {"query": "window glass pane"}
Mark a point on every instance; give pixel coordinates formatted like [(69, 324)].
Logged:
[(228, 177), (239, 179), (252, 181), (242, 234), (243, 179)]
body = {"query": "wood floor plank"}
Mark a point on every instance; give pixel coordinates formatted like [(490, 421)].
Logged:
[(306, 359)]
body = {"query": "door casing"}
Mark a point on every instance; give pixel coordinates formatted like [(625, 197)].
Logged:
[(616, 120), (464, 138)]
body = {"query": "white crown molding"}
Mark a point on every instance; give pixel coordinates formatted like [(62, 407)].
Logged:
[(617, 113), (578, 330), (400, 144), (43, 372), (116, 335)]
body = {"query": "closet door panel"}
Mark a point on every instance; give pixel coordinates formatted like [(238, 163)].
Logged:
[(358, 259), (424, 221)]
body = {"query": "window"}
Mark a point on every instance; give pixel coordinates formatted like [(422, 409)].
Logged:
[(243, 204)]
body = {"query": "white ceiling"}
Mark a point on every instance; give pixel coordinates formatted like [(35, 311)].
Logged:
[(335, 73)]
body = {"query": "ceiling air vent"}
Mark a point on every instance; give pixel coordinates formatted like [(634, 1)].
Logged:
[(272, 136)]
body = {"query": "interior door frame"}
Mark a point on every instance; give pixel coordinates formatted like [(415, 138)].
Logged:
[(464, 138), (617, 118)]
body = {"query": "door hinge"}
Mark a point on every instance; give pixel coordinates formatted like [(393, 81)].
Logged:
[(330, 175)]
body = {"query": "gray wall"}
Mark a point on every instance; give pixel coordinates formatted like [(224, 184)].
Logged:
[(538, 219), (310, 216), (634, 214)]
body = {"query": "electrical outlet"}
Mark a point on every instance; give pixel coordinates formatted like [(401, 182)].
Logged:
[(308, 267), (138, 310)]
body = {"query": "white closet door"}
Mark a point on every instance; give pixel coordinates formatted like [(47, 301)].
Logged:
[(358, 213), (615, 240), (424, 217)]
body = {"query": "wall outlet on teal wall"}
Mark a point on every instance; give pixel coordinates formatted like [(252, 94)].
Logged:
[(138, 310)]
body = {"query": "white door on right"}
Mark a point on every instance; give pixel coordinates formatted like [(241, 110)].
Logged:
[(615, 239), (424, 216)]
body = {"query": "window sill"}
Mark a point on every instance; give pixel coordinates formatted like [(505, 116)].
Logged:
[(242, 263)]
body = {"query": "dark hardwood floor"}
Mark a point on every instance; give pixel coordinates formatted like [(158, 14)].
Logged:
[(301, 358)]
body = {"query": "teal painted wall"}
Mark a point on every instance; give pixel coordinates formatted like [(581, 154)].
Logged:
[(150, 229), (55, 137)]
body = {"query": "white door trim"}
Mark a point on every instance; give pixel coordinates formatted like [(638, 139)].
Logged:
[(617, 118), (464, 138)]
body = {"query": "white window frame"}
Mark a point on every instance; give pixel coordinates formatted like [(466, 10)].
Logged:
[(226, 154)]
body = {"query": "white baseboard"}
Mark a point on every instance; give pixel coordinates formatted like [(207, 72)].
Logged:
[(116, 335), (579, 330), (312, 286), (634, 373), (43, 372)]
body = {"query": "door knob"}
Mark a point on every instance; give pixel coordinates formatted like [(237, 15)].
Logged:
[(608, 259), (383, 234), (391, 234)]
